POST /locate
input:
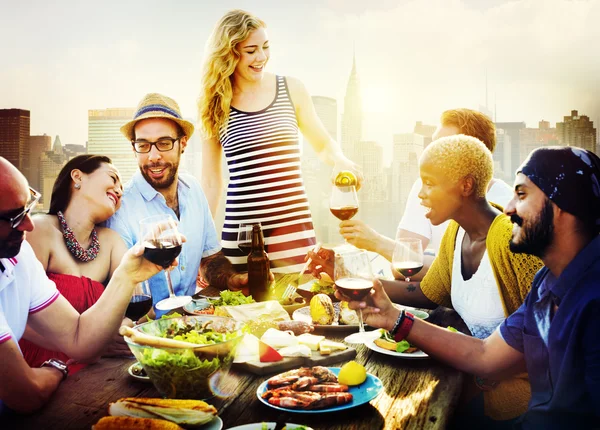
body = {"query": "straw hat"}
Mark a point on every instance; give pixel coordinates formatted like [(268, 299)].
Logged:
[(156, 105)]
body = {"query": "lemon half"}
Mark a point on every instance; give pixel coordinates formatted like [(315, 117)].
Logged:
[(352, 373)]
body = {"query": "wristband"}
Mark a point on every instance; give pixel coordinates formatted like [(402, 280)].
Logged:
[(57, 364), (404, 327), (401, 317)]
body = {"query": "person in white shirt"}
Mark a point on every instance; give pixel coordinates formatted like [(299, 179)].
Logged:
[(414, 224), (27, 296)]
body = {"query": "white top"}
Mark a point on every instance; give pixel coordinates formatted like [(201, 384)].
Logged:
[(414, 219), (476, 300), (24, 289)]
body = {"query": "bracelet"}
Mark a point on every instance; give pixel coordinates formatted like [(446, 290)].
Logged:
[(401, 317), (405, 325)]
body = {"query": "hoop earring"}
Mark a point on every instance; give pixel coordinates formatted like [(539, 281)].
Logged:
[(77, 186)]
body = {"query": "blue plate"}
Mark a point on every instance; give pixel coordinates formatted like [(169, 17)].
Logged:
[(361, 394)]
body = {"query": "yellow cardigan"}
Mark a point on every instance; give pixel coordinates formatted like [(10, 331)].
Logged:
[(514, 274)]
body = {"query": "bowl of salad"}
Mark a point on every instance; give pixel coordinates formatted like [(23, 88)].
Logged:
[(188, 372)]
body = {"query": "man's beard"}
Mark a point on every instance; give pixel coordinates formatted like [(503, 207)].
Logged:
[(11, 246), (536, 235), (165, 182)]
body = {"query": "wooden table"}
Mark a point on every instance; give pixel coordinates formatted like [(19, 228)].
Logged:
[(418, 394)]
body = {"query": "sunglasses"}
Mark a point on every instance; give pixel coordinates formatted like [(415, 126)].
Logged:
[(34, 198)]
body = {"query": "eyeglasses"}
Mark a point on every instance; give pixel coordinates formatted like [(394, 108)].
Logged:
[(163, 145), (34, 198)]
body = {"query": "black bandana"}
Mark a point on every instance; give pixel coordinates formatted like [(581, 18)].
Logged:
[(570, 177)]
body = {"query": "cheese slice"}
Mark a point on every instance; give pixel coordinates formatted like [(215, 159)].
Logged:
[(295, 351), (330, 346), (310, 340)]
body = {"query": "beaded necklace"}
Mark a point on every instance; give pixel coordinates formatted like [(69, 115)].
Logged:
[(73, 245)]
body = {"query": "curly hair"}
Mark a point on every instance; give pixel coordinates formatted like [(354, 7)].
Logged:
[(460, 156), (222, 57), (471, 123)]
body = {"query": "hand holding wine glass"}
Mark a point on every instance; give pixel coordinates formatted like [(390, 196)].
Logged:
[(354, 279), (162, 244), (408, 257)]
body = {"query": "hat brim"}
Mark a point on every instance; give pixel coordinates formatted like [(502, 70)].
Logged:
[(128, 128)]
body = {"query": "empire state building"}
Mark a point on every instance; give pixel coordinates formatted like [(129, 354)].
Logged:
[(352, 118)]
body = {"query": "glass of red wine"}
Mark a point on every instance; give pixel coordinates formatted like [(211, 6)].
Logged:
[(162, 244), (343, 202), (140, 303), (353, 278), (244, 238), (407, 258)]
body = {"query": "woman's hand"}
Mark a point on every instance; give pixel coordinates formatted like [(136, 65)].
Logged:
[(378, 310), (360, 235)]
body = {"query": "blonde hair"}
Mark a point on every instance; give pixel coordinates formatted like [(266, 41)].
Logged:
[(222, 57), (472, 123), (460, 156)]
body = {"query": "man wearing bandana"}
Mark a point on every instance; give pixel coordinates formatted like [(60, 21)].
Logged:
[(555, 334)]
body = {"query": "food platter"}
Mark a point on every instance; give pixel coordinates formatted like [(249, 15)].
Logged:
[(303, 314), (417, 355), (270, 426), (134, 368), (361, 394), (197, 307)]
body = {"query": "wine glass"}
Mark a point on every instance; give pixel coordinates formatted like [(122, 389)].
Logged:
[(140, 303), (162, 244), (354, 279), (343, 202), (408, 257), (244, 237)]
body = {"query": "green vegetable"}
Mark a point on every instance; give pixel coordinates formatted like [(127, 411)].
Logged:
[(171, 315), (232, 298), (324, 289), (264, 426), (452, 329), (402, 346)]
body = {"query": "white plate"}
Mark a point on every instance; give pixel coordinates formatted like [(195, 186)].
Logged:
[(419, 314), (215, 424), (417, 355), (134, 376), (270, 426)]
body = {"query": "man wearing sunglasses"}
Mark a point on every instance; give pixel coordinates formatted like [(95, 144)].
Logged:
[(28, 297), (159, 136)]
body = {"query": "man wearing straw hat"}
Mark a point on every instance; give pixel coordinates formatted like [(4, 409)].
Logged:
[(159, 136)]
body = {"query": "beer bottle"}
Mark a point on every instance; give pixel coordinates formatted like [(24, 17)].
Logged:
[(258, 267)]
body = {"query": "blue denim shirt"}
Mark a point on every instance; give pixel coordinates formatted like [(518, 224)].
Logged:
[(141, 200), (562, 352)]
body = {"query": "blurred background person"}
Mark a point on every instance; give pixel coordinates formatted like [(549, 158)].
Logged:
[(254, 117), (414, 223)]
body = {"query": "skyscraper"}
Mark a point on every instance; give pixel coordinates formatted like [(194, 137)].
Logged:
[(317, 174), (353, 116), (105, 138), (405, 166), (14, 137), (532, 138), (426, 131), (577, 130), (512, 129), (37, 146)]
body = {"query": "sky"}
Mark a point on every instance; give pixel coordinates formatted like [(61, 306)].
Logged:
[(414, 58)]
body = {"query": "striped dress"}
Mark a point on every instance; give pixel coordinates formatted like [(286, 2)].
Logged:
[(265, 183)]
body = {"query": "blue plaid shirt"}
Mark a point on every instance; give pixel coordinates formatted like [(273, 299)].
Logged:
[(562, 352), (141, 200)]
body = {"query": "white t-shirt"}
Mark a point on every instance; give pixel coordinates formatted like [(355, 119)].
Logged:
[(414, 219), (24, 289), (476, 300)]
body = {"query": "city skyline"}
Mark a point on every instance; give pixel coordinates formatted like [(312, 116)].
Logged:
[(413, 59)]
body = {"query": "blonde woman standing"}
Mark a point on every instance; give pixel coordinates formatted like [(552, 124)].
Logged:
[(254, 117)]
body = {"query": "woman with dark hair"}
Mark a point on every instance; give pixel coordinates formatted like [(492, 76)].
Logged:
[(78, 255)]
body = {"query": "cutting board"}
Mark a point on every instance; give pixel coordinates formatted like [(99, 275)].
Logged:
[(288, 363)]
